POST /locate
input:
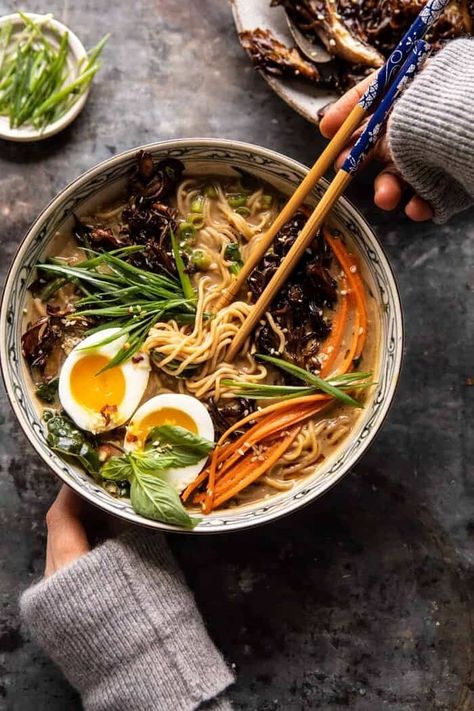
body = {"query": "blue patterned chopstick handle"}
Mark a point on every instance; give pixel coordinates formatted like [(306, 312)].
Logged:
[(372, 131), (427, 17)]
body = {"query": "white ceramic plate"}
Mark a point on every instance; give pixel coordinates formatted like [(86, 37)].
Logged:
[(104, 183), (302, 96), (76, 53)]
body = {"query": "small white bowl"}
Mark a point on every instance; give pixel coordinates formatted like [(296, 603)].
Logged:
[(76, 53)]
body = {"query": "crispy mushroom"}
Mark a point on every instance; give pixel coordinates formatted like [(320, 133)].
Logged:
[(39, 340), (267, 53), (299, 308)]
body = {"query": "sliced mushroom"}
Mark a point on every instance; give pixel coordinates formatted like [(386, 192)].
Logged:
[(267, 53), (337, 37), (39, 339)]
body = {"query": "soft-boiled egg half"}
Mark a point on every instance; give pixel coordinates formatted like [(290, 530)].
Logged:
[(176, 410), (97, 399)]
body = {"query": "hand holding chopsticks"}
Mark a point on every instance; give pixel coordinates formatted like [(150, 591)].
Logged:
[(427, 17), (353, 162)]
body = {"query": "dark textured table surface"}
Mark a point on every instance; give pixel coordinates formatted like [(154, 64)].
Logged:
[(361, 600)]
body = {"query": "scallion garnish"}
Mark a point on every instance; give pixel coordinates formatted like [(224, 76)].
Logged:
[(197, 204), (236, 199), (35, 80), (334, 386), (186, 285), (124, 296)]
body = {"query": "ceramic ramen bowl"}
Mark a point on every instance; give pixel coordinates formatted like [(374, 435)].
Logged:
[(101, 185)]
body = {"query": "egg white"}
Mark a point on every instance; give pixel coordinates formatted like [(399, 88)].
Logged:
[(135, 376), (180, 477)]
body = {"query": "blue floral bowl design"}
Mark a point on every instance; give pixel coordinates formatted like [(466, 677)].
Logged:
[(101, 184)]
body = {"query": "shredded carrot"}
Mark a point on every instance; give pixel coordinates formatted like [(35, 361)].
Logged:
[(332, 344), (282, 405), (273, 419), (250, 473), (348, 361), (349, 264), (271, 423), (265, 429)]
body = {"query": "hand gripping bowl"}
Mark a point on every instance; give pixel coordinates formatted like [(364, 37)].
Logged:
[(217, 157)]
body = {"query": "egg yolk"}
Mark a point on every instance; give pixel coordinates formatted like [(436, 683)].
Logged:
[(165, 416), (93, 389)]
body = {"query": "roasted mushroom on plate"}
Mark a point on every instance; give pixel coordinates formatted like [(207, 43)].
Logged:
[(358, 34)]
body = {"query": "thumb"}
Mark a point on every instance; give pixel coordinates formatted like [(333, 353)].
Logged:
[(335, 115)]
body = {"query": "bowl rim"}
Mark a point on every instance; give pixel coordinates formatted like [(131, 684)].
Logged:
[(77, 51), (83, 179)]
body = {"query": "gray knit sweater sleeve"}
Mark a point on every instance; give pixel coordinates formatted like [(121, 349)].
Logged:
[(431, 131), (123, 626)]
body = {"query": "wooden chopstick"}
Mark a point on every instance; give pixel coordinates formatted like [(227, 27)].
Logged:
[(430, 13), (320, 168), (343, 177)]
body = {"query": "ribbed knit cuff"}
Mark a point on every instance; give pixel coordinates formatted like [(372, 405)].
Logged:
[(431, 131), (124, 628)]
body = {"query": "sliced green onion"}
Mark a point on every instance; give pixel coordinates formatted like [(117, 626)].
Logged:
[(235, 268), (267, 201), (236, 200), (201, 259), (186, 231), (34, 74), (244, 211), (197, 204), (232, 254), (210, 191), (196, 220)]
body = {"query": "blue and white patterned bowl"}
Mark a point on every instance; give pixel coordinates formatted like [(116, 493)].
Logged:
[(100, 185)]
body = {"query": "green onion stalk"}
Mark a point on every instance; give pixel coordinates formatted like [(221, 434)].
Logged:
[(334, 386), (120, 295), (35, 80)]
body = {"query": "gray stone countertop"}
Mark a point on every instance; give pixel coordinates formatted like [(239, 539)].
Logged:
[(361, 600)]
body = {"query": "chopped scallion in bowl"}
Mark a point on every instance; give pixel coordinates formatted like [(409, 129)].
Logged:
[(45, 76)]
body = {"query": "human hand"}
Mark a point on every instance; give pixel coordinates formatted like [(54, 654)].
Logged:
[(67, 537), (389, 185), (74, 526)]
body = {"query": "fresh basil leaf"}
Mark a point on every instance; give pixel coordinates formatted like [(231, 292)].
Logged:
[(117, 469), (183, 438), (154, 498), (67, 439), (152, 460), (48, 391)]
